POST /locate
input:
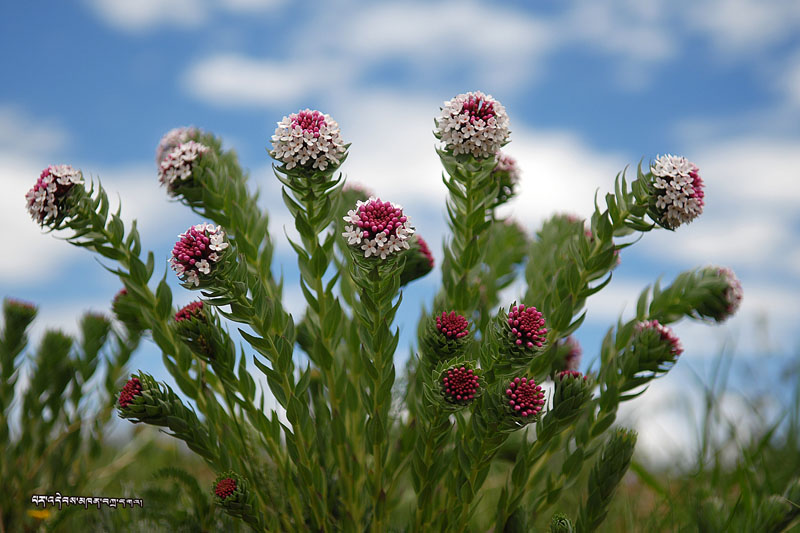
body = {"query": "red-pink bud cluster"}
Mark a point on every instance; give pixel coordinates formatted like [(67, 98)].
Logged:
[(191, 310), (460, 384), (452, 326), (527, 324), (525, 397), (131, 389)]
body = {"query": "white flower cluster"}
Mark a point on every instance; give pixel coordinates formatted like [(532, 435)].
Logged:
[(177, 165), (172, 139), (681, 199), (378, 228), (473, 123), (308, 139), (54, 182)]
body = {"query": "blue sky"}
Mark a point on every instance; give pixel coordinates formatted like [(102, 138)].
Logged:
[(589, 87)]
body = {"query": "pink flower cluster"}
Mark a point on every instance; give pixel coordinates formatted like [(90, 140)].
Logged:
[(733, 294), (460, 384), (452, 326), (192, 310), (131, 389), (308, 139), (473, 123), (174, 138), (508, 166), (527, 324), (424, 250), (525, 397), (52, 186), (177, 165), (667, 335), (572, 360), (196, 251), (680, 196), (378, 228)]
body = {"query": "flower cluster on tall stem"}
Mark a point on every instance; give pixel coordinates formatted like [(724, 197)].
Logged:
[(473, 123), (506, 174), (378, 228), (679, 190), (45, 199), (308, 139), (668, 337), (198, 249), (459, 385)]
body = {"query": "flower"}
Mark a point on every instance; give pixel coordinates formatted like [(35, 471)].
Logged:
[(174, 138), (424, 250), (565, 374), (732, 294), (506, 173), (459, 385), (225, 487), (47, 195), (131, 389), (189, 311), (667, 336), (573, 358), (473, 123), (452, 326), (679, 198), (378, 228), (196, 252), (308, 139), (177, 165), (525, 397), (527, 326)]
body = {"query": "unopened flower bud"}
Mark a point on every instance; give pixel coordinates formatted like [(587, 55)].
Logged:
[(445, 336), (655, 347), (419, 261), (525, 399), (560, 524), (724, 293), (572, 392), (232, 494), (526, 327), (127, 312), (193, 326), (506, 174), (143, 399), (459, 385)]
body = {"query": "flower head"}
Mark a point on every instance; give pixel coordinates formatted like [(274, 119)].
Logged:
[(731, 297), (172, 139), (527, 326), (452, 326), (131, 389), (189, 311), (459, 385), (525, 397), (378, 228), (225, 487), (473, 123), (679, 190), (308, 139), (668, 337), (572, 360), (506, 173), (177, 165), (46, 197), (424, 250), (196, 252)]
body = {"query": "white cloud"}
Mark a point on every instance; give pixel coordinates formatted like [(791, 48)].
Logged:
[(236, 81), (145, 14), (741, 27)]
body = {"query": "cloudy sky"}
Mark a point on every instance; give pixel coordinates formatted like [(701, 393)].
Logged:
[(590, 87)]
